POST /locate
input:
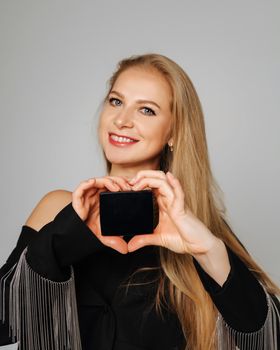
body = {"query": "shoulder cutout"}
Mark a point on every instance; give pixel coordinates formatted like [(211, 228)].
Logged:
[(47, 208)]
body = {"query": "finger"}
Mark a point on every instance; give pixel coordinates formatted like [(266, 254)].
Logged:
[(139, 241), (108, 183), (121, 181), (96, 183), (91, 192), (162, 186), (82, 187), (148, 173), (175, 183), (179, 200)]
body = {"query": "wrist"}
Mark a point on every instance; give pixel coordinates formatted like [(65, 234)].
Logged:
[(215, 261)]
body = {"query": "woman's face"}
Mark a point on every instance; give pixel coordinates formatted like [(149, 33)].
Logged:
[(147, 122)]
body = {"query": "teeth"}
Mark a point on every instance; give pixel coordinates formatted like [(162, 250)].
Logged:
[(121, 139)]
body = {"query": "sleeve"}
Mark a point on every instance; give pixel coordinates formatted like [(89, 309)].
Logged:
[(248, 316), (37, 286)]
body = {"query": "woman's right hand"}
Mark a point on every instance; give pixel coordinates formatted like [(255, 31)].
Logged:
[(85, 201)]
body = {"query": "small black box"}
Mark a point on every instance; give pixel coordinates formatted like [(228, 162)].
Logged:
[(128, 213)]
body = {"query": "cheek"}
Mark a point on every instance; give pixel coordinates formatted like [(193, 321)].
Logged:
[(106, 121), (102, 132), (103, 120), (155, 134)]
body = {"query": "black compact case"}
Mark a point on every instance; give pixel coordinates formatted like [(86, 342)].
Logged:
[(128, 213)]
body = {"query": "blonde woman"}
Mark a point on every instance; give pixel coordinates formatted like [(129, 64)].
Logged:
[(189, 285)]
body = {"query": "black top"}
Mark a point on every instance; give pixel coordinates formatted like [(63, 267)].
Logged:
[(109, 319)]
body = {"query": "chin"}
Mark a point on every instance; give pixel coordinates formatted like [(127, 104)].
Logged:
[(120, 160)]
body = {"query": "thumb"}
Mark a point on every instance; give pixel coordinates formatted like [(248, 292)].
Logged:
[(139, 241), (115, 242)]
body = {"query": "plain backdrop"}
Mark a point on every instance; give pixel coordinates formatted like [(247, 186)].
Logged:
[(56, 58)]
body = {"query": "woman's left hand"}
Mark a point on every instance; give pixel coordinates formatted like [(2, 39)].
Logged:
[(178, 229)]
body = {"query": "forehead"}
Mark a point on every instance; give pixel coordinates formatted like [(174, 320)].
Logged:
[(143, 84)]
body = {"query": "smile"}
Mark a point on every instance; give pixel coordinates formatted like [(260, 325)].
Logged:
[(121, 141)]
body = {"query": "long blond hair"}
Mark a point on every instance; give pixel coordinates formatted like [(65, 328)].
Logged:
[(189, 162)]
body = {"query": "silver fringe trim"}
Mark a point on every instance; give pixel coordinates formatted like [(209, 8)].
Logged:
[(42, 313), (263, 339)]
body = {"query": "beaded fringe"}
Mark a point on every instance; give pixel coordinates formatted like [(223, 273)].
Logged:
[(42, 313), (265, 338)]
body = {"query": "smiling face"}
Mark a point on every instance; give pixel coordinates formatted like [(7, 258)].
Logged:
[(148, 122)]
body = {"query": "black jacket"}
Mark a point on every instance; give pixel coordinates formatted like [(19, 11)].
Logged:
[(109, 319)]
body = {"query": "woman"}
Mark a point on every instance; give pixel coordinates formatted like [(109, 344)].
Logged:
[(196, 286)]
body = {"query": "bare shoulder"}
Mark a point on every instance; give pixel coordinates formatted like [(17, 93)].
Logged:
[(47, 208)]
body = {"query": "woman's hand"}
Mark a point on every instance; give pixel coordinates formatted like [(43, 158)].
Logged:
[(85, 201), (177, 230)]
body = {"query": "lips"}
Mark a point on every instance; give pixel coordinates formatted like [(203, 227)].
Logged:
[(129, 137)]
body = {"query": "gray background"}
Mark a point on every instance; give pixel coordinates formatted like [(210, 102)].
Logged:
[(56, 57)]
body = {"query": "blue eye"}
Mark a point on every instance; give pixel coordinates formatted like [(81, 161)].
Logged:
[(112, 98), (151, 112)]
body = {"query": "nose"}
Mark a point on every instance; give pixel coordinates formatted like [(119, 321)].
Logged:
[(124, 118)]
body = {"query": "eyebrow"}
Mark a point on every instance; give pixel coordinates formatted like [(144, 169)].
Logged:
[(138, 101)]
